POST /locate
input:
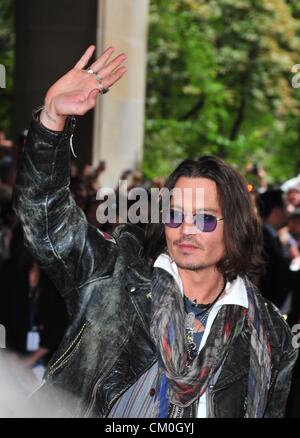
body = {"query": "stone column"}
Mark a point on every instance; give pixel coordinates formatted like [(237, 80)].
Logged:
[(119, 116)]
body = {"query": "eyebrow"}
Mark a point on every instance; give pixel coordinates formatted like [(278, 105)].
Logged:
[(206, 210), (211, 210)]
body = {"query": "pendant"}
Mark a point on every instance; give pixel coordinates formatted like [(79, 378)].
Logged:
[(198, 326)]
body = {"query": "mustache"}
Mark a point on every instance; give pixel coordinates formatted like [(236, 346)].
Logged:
[(188, 241)]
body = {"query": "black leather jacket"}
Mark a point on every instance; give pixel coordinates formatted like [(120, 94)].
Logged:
[(106, 285)]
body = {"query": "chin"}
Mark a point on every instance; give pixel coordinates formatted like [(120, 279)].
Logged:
[(192, 266), (189, 264)]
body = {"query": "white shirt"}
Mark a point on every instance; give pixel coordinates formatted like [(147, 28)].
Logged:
[(235, 293)]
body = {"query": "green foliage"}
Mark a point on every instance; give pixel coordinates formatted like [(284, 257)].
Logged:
[(7, 59), (219, 82)]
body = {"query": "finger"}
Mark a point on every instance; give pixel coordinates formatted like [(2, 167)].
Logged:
[(113, 65), (85, 58), (114, 77), (102, 60)]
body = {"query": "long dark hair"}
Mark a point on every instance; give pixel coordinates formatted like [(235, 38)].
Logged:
[(242, 227)]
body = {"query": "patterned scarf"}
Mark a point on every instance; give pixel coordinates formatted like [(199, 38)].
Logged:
[(189, 380)]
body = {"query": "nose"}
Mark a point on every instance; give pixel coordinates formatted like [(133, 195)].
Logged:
[(188, 226)]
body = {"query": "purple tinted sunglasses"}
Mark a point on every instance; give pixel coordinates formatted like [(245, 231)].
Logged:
[(204, 222)]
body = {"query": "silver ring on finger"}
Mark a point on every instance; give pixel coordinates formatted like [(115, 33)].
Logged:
[(99, 77), (103, 90), (91, 71)]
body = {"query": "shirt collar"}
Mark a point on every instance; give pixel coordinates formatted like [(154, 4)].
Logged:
[(235, 292)]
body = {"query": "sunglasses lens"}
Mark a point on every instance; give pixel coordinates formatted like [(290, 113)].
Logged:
[(173, 219), (206, 222)]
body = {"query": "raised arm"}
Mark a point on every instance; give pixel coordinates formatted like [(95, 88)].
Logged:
[(56, 231)]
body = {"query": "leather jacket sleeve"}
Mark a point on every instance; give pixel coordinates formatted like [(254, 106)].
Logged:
[(280, 389), (56, 231)]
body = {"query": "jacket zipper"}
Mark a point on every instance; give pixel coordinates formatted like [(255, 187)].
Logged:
[(68, 353)]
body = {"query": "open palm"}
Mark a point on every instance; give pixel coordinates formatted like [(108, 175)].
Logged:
[(76, 92)]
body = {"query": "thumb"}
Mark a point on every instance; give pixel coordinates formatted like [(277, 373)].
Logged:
[(89, 103), (92, 98)]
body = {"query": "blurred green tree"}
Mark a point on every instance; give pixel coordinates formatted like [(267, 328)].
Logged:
[(7, 38), (219, 82)]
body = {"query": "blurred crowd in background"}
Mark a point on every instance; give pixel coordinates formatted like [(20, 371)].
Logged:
[(34, 314)]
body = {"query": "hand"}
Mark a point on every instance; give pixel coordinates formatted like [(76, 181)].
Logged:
[(28, 361), (76, 92), (101, 166)]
